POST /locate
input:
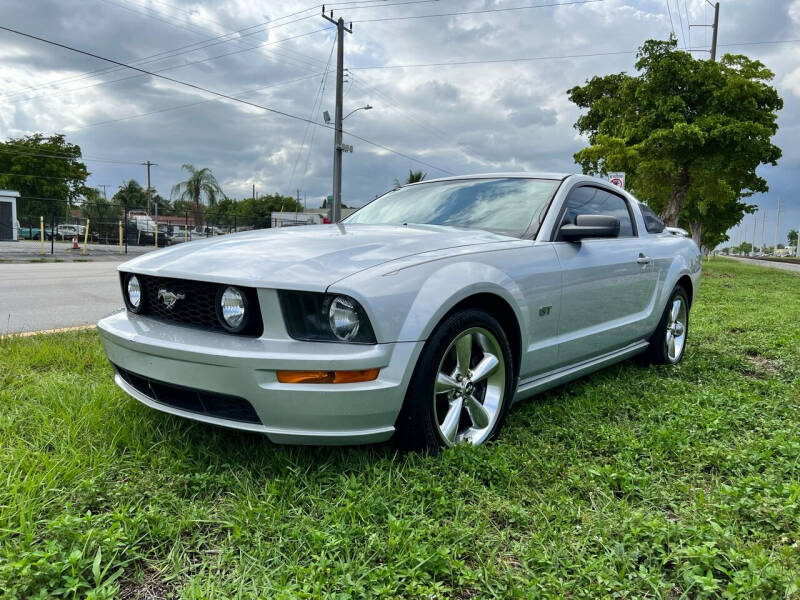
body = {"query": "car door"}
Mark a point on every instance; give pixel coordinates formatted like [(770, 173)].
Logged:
[(607, 283)]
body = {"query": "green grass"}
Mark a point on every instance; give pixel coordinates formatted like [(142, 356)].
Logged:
[(634, 482)]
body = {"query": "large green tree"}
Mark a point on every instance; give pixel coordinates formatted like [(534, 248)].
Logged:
[(689, 134), (46, 171), (201, 187)]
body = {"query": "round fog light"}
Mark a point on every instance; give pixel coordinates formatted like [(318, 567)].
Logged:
[(134, 293), (232, 309)]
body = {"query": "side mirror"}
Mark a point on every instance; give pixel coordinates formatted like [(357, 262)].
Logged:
[(590, 226)]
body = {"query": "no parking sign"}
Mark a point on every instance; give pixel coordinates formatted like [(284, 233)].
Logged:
[(617, 179)]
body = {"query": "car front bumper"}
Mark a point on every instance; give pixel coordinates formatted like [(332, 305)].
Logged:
[(229, 365)]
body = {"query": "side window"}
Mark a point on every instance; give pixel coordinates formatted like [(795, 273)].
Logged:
[(651, 221), (587, 200)]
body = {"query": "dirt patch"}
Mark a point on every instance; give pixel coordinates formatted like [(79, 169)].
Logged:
[(763, 366), (151, 586), (718, 276)]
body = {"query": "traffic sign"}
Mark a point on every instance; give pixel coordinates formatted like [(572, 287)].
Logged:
[(617, 179)]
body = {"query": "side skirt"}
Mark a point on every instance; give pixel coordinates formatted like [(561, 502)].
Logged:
[(546, 381)]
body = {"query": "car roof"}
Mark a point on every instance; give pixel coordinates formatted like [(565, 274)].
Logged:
[(531, 175), (502, 175)]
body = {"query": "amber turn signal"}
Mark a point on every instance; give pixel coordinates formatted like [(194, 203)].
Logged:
[(328, 376)]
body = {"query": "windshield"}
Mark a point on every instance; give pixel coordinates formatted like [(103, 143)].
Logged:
[(506, 206)]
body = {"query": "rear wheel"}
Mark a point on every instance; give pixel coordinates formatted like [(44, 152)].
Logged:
[(461, 387), (668, 342)]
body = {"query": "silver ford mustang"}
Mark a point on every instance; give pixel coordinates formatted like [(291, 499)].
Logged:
[(423, 315)]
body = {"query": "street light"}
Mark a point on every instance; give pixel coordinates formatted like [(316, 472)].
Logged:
[(365, 107), (334, 212)]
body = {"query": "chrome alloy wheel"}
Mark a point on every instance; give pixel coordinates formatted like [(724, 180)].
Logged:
[(470, 385), (676, 329)]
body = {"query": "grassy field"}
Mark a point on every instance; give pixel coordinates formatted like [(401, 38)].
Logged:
[(634, 482)]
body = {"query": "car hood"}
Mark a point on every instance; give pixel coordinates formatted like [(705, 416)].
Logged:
[(306, 257)]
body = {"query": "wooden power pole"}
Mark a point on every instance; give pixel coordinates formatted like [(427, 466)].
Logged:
[(335, 210)]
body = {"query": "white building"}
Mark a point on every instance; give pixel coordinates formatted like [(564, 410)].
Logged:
[(8, 215)]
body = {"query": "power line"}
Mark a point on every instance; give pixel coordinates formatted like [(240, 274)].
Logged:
[(33, 176), (219, 94), (188, 64), (66, 157), (213, 41), (477, 12), (688, 20), (669, 12), (180, 50), (187, 105), (433, 129), (553, 57), (492, 61), (315, 106), (680, 17)]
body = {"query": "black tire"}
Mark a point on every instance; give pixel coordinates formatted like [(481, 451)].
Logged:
[(658, 352), (416, 427)]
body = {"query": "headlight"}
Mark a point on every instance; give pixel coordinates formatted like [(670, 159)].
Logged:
[(232, 309), (133, 294), (344, 318), (325, 317)]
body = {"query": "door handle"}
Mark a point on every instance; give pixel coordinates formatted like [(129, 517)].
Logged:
[(643, 260)]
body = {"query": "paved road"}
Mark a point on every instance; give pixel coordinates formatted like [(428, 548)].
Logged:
[(51, 295), (768, 263)]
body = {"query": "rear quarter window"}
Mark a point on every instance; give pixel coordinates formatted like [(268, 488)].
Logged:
[(652, 222)]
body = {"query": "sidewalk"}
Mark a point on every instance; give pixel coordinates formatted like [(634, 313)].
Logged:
[(30, 251)]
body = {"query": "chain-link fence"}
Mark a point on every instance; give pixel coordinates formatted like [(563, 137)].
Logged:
[(110, 224)]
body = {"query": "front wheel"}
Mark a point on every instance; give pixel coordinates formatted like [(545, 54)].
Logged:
[(461, 387), (668, 342)]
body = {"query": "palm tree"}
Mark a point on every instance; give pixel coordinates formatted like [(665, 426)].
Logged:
[(200, 188), (413, 177)]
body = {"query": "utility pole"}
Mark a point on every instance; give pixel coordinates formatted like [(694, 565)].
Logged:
[(104, 186), (335, 210), (777, 224), (148, 164), (755, 222), (254, 191), (763, 231), (714, 33)]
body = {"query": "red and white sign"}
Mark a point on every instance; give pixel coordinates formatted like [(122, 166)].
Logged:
[(617, 179)]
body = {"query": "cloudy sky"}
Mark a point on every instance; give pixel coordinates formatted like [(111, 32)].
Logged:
[(506, 115)]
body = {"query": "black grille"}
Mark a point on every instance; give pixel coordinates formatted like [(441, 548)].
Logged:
[(198, 307), (211, 404)]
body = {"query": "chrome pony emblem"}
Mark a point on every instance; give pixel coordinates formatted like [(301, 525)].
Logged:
[(169, 298)]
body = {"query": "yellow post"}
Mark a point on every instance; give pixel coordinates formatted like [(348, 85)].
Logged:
[(86, 236), (185, 232), (41, 234), (120, 237)]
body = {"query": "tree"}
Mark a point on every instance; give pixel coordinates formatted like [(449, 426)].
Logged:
[(104, 215), (131, 194), (688, 133), (200, 188), (250, 211), (413, 177), (792, 237), (46, 171)]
